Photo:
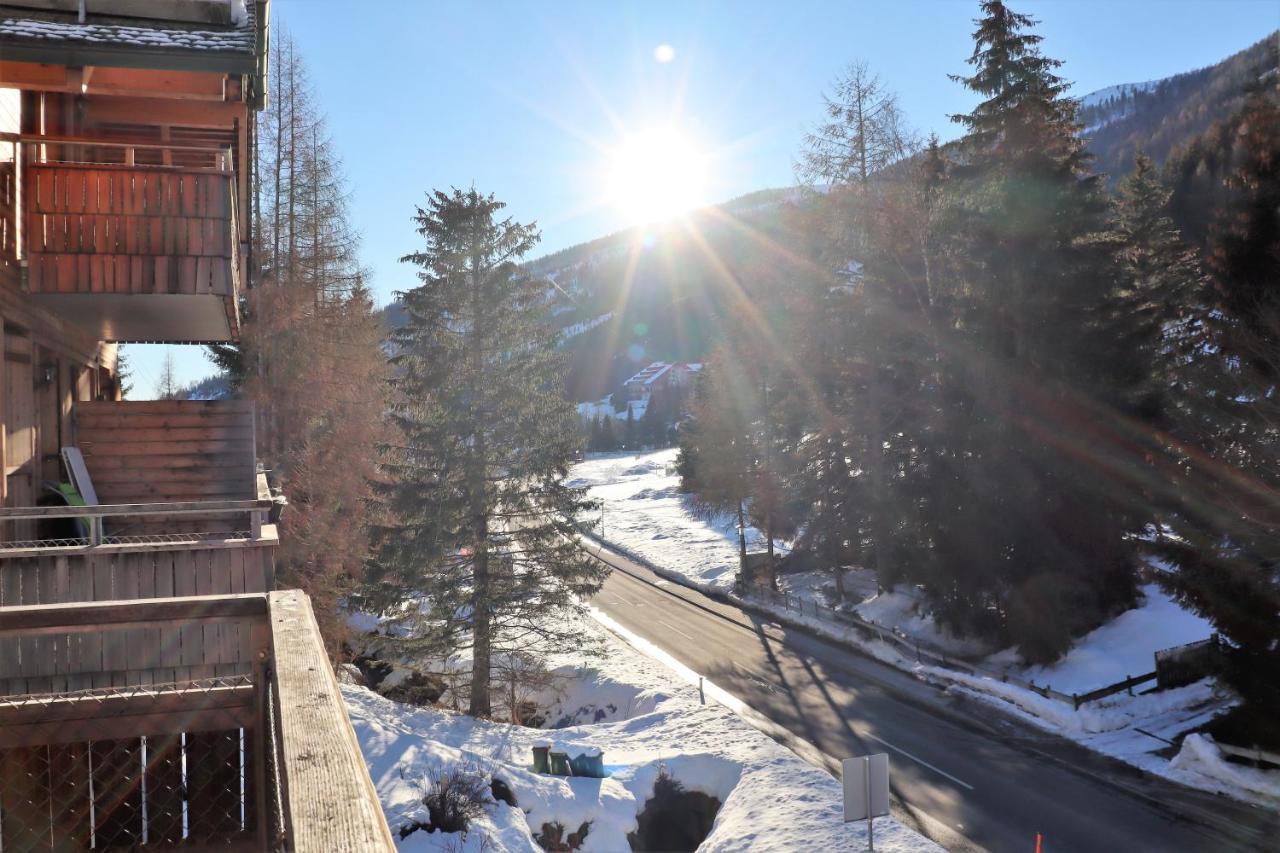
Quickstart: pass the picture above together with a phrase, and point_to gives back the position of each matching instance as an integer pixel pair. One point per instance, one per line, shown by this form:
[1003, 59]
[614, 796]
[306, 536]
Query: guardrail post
[1129, 678]
[1075, 701]
[95, 530]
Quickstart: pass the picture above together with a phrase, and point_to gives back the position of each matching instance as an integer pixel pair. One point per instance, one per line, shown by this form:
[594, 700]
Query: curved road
[962, 773]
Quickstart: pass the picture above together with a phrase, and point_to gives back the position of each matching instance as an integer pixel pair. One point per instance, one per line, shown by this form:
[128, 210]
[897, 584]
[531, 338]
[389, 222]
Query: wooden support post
[261, 676]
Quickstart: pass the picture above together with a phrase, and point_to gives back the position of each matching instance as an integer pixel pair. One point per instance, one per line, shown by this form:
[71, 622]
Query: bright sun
[656, 175]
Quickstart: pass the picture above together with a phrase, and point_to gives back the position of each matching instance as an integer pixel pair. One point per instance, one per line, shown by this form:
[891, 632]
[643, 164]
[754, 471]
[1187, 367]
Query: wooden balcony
[195, 721]
[129, 246]
[180, 510]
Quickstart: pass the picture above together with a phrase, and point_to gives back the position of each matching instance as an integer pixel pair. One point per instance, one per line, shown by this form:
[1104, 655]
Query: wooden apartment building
[155, 690]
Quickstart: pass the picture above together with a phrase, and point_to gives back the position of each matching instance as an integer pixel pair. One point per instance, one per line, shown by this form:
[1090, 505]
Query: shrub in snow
[349, 673]
[414, 688]
[553, 838]
[502, 792]
[673, 818]
[454, 800]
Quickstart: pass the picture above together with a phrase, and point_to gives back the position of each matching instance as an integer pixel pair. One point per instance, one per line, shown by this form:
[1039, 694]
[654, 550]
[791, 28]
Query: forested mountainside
[642, 295]
[1162, 115]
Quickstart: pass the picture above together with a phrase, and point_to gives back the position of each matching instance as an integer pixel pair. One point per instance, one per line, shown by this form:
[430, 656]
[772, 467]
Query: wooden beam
[34, 75]
[211, 115]
[330, 802]
[209, 86]
[82, 616]
[133, 725]
[192, 85]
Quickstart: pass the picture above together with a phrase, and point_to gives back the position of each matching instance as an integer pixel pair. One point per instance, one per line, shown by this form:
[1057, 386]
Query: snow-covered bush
[455, 799]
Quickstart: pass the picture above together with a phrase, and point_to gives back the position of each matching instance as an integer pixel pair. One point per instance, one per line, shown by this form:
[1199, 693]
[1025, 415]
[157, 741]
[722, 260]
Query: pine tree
[230, 361]
[1225, 556]
[167, 387]
[124, 372]
[477, 514]
[595, 436]
[717, 458]
[630, 439]
[608, 441]
[1026, 514]
[1156, 300]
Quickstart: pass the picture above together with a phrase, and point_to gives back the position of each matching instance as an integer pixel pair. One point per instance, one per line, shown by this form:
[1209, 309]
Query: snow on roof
[36, 27]
[651, 372]
[653, 376]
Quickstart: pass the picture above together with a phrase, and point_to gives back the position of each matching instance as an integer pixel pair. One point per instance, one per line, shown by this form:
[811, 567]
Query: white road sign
[866, 787]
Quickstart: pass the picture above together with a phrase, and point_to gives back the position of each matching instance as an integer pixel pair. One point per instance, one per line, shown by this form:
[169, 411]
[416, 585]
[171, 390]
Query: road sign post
[866, 791]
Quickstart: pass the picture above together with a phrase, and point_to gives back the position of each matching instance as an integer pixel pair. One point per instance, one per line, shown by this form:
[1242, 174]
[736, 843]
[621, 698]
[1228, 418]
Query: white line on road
[673, 628]
[916, 759]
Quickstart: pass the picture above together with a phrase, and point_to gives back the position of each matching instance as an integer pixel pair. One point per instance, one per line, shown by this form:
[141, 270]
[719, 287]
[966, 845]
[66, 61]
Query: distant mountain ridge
[1160, 115]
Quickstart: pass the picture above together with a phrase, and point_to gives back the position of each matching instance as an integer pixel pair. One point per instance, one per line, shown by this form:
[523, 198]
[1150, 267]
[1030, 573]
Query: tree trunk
[742, 536]
[880, 535]
[481, 630]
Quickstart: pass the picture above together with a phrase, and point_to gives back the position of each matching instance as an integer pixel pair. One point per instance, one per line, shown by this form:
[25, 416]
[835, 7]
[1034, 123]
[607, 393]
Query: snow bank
[900, 610]
[771, 800]
[1200, 761]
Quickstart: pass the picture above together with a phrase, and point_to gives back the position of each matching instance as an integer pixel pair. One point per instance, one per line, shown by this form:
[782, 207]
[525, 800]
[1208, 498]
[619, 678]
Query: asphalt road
[962, 773]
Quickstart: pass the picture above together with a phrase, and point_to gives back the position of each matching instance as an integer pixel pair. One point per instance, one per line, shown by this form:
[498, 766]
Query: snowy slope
[645, 512]
[1093, 99]
[771, 800]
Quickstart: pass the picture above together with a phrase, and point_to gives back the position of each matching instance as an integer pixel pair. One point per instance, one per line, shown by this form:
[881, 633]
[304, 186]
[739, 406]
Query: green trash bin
[560, 764]
[541, 760]
[589, 764]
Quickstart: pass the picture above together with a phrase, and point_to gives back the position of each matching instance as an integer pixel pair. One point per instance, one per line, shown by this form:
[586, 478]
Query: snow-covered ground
[1121, 648]
[644, 512]
[645, 515]
[645, 718]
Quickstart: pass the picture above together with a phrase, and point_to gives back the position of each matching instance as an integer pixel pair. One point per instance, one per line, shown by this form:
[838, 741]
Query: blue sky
[527, 100]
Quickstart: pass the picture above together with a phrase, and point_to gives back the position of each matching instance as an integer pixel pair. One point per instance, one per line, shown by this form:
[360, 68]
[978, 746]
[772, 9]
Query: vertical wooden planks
[121, 230]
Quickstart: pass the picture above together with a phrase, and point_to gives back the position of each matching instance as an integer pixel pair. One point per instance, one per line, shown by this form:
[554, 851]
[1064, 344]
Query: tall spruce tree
[1028, 523]
[477, 514]
[1225, 556]
[1158, 291]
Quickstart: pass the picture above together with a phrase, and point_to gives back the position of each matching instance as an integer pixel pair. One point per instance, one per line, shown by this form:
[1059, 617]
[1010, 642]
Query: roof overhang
[128, 56]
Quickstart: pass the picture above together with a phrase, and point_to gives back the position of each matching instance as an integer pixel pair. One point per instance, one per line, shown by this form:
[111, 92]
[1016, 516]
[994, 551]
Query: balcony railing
[195, 721]
[136, 241]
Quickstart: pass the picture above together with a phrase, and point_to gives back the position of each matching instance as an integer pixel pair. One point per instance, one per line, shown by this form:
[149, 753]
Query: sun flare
[656, 175]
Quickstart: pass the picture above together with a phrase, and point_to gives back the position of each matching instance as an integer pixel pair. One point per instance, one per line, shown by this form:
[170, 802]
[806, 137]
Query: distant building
[660, 378]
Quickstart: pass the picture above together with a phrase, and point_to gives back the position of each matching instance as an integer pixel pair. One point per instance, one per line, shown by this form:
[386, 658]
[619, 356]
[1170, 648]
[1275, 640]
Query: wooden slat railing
[122, 229]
